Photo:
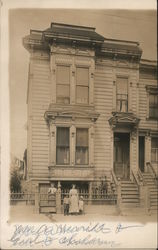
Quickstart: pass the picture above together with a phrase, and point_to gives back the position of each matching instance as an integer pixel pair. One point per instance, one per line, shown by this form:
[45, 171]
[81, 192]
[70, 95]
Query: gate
[47, 202]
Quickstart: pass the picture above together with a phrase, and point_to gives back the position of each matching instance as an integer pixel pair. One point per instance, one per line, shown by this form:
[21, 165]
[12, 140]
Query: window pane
[122, 85]
[82, 76]
[81, 155]
[153, 100]
[63, 75]
[154, 142]
[153, 112]
[62, 155]
[82, 137]
[153, 155]
[82, 94]
[62, 136]
[63, 94]
[122, 105]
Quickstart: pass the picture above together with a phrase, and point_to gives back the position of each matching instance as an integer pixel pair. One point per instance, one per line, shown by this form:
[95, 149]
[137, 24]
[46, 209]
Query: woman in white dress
[73, 196]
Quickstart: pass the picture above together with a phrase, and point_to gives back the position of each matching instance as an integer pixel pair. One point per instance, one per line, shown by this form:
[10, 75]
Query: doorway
[121, 155]
[141, 153]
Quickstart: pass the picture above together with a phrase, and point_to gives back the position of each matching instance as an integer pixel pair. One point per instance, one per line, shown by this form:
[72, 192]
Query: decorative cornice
[123, 119]
[73, 112]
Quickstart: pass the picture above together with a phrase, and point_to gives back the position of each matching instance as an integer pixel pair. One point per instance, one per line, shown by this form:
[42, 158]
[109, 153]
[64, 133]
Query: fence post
[90, 193]
[37, 199]
[58, 199]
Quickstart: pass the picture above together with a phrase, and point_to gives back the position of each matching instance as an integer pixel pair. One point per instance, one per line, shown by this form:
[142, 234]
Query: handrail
[149, 165]
[140, 176]
[114, 178]
[135, 178]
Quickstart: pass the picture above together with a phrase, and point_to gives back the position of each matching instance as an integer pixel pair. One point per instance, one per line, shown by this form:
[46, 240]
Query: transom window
[122, 94]
[63, 84]
[153, 106]
[63, 146]
[82, 85]
[154, 149]
[81, 146]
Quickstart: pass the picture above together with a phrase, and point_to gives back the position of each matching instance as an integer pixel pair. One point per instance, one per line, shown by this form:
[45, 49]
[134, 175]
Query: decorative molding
[53, 134]
[123, 119]
[70, 112]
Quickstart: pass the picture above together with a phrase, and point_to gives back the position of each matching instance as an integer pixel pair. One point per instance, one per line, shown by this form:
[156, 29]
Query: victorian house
[92, 112]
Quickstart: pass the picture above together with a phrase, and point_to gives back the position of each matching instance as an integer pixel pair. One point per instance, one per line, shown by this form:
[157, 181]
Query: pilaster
[72, 144]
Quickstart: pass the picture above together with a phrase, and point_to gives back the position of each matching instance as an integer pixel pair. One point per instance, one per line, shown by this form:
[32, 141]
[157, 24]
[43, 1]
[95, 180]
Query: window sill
[152, 119]
[71, 166]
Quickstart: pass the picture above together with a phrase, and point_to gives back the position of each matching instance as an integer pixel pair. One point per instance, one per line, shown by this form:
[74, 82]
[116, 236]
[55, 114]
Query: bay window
[81, 146]
[82, 85]
[62, 146]
[63, 84]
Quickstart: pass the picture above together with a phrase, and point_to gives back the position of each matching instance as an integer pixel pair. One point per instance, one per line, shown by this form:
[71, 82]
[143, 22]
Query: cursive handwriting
[91, 234]
[120, 227]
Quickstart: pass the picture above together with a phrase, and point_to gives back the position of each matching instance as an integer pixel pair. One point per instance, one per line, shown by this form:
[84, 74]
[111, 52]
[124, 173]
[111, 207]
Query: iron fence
[28, 198]
[96, 197]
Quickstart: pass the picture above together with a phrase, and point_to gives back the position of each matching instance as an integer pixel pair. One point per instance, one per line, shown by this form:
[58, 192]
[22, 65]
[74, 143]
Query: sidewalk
[26, 213]
[23, 213]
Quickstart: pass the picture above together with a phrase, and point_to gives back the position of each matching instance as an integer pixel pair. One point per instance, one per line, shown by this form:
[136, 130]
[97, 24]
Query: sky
[138, 26]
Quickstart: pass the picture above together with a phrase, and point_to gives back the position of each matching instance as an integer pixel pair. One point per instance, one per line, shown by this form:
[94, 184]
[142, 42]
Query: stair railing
[140, 177]
[152, 171]
[118, 189]
[135, 178]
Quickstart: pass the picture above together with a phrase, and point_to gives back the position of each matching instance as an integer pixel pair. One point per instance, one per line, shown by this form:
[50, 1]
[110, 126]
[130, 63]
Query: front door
[141, 153]
[121, 155]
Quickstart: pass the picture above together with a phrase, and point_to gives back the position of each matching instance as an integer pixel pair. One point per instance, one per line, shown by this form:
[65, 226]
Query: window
[122, 94]
[82, 85]
[153, 106]
[81, 146]
[63, 148]
[63, 84]
[154, 149]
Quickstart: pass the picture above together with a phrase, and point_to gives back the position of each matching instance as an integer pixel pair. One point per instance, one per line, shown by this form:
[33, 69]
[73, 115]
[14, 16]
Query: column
[52, 150]
[130, 96]
[147, 148]
[91, 145]
[133, 157]
[72, 83]
[91, 82]
[53, 76]
[114, 105]
[58, 199]
[72, 145]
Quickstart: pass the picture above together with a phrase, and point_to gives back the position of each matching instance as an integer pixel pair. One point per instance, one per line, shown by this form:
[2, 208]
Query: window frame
[151, 90]
[84, 147]
[156, 150]
[80, 85]
[61, 84]
[127, 95]
[65, 164]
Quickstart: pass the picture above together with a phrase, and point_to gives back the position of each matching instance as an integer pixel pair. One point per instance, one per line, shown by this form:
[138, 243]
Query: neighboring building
[92, 109]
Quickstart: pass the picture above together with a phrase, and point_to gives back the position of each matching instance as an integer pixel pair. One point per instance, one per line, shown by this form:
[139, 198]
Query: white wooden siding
[40, 100]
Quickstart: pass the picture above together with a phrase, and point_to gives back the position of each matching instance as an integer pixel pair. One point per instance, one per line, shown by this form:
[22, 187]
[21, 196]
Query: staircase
[129, 194]
[153, 192]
